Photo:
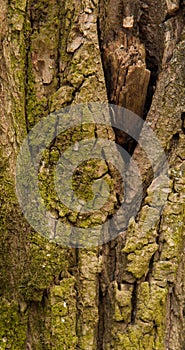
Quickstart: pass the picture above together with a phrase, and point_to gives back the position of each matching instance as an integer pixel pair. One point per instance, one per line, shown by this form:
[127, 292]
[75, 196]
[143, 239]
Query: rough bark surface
[129, 293]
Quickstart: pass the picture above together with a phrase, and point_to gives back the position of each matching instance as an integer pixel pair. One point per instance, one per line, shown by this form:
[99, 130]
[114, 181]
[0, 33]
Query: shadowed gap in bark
[116, 40]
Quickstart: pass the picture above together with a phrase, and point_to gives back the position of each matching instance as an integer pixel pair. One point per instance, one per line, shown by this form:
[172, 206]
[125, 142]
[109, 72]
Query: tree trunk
[128, 293]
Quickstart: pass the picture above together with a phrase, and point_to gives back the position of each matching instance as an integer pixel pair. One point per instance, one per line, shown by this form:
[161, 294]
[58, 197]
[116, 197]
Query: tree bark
[128, 293]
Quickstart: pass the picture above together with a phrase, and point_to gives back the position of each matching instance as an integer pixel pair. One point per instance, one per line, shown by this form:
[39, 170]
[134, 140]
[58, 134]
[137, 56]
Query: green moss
[138, 261]
[63, 313]
[13, 326]
[35, 108]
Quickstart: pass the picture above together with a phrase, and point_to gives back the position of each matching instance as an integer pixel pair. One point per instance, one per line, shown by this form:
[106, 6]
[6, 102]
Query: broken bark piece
[137, 81]
[128, 22]
[172, 6]
[126, 74]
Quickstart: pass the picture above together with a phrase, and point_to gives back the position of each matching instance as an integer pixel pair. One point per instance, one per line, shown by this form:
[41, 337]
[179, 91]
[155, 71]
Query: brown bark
[128, 293]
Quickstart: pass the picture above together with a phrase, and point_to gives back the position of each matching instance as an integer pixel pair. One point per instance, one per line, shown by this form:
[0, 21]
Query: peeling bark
[128, 293]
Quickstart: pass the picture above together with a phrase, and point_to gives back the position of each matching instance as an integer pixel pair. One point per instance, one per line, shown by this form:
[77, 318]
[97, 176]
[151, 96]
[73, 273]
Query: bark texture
[129, 293]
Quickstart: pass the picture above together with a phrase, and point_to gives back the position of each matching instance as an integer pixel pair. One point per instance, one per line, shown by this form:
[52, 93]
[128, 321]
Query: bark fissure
[75, 272]
[27, 35]
[170, 317]
[116, 44]
[101, 321]
[183, 121]
[59, 44]
[134, 301]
